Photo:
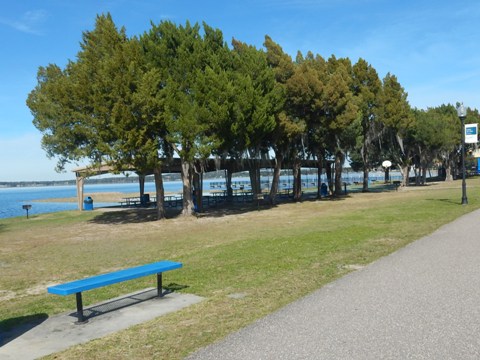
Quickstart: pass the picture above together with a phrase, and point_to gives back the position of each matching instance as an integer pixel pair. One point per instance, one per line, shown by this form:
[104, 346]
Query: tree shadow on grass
[142, 215]
[12, 328]
[215, 210]
[448, 201]
[126, 216]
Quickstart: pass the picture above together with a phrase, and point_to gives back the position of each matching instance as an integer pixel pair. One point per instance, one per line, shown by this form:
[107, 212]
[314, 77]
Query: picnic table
[172, 200]
[137, 200]
[243, 195]
[285, 191]
[218, 195]
[130, 201]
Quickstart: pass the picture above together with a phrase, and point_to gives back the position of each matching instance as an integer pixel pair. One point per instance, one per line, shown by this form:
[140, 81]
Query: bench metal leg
[159, 285]
[80, 316]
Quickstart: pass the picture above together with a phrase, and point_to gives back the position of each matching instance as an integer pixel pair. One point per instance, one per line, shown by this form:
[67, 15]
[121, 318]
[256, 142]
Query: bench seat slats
[113, 277]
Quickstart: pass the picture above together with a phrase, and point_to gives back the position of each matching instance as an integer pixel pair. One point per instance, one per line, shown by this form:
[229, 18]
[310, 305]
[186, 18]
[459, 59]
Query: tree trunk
[197, 194]
[365, 179]
[448, 174]
[366, 162]
[157, 172]
[141, 183]
[424, 175]
[187, 176]
[328, 169]
[319, 177]
[339, 157]
[448, 170]
[416, 170]
[228, 183]
[254, 173]
[276, 178]
[297, 180]
[405, 170]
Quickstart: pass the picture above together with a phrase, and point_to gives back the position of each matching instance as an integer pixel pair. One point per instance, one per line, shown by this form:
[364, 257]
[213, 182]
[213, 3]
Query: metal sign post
[27, 207]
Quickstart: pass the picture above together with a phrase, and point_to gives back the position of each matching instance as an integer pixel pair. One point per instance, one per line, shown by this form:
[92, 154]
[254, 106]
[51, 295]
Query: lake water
[12, 199]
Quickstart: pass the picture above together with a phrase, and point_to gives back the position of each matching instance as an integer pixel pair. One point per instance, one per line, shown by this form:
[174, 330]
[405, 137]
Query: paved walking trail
[422, 302]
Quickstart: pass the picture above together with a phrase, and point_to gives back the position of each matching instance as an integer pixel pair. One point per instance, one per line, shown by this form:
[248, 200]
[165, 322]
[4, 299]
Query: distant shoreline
[99, 181]
[22, 184]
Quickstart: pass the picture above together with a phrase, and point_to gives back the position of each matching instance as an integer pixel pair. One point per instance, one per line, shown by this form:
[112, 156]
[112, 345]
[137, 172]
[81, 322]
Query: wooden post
[80, 182]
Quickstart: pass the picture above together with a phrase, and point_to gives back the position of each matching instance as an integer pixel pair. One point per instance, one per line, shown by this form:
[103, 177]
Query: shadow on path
[16, 327]
[126, 301]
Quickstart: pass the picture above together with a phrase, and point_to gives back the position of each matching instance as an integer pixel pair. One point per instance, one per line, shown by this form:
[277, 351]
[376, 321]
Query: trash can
[323, 190]
[145, 199]
[88, 203]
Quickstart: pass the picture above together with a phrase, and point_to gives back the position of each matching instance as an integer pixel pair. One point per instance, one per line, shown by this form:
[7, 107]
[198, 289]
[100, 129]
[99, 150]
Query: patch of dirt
[6, 295]
[38, 289]
[237, 296]
[353, 267]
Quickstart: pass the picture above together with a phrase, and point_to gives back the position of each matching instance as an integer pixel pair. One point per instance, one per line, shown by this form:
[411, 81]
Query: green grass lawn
[271, 256]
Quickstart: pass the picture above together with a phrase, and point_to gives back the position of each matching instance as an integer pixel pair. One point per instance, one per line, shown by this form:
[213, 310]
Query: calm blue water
[12, 199]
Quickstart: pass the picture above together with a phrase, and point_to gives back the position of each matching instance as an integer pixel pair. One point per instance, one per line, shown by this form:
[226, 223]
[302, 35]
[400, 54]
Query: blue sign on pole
[471, 133]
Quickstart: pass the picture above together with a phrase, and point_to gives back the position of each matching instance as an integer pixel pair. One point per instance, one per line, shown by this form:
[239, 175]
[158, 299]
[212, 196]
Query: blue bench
[78, 286]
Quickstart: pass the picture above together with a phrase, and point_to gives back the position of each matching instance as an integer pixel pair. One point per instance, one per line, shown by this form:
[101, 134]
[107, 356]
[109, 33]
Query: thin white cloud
[29, 23]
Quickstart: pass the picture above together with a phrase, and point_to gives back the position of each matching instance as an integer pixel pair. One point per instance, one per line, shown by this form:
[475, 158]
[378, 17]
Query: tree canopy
[181, 90]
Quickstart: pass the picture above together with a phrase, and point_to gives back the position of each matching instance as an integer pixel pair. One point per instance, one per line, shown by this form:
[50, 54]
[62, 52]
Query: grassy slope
[273, 256]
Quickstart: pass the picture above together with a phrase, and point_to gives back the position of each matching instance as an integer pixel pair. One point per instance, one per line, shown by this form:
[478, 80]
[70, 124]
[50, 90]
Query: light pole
[462, 114]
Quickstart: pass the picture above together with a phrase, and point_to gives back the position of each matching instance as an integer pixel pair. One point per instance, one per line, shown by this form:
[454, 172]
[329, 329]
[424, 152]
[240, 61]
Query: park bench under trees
[78, 286]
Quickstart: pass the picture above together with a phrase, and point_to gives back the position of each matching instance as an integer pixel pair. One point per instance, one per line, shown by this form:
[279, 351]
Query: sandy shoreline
[113, 197]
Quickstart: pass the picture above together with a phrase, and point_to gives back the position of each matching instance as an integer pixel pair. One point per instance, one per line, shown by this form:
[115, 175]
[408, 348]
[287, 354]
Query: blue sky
[431, 46]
